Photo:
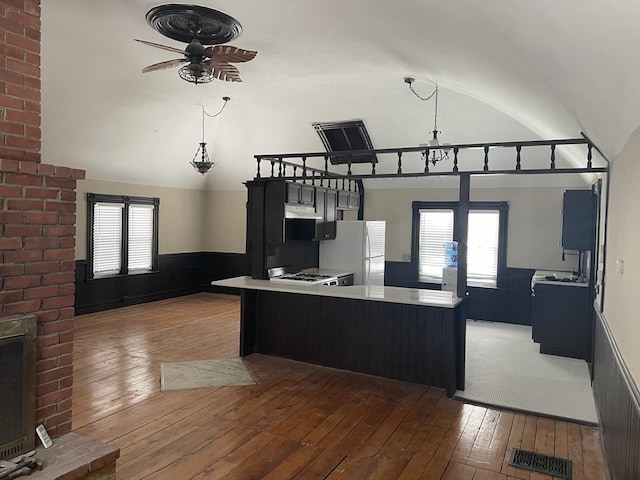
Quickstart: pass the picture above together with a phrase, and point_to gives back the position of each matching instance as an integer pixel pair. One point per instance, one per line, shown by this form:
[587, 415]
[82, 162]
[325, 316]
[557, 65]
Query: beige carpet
[204, 374]
[504, 368]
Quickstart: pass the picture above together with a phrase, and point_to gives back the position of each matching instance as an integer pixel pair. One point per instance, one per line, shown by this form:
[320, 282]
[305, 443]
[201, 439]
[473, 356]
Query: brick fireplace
[37, 218]
[37, 261]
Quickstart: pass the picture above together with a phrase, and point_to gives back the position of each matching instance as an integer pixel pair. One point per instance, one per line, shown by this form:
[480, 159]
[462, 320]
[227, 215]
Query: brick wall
[20, 79]
[37, 217]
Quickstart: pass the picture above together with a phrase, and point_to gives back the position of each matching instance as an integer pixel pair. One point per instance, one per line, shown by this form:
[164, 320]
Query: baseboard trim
[136, 300]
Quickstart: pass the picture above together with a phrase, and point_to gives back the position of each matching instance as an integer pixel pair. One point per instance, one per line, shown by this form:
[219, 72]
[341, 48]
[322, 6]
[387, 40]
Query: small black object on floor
[538, 462]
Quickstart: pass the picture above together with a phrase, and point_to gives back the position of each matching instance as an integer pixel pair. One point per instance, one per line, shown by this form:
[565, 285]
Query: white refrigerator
[358, 247]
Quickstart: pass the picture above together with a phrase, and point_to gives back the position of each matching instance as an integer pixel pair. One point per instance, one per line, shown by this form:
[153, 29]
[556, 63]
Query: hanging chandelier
[201, 161]
[438, 152]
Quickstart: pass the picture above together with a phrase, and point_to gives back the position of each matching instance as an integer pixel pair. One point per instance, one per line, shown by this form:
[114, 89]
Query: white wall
[224, 222]
[623, 237]
[535, 221]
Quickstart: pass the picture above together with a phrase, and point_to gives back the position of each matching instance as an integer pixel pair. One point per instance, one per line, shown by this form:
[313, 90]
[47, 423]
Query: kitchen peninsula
[407, 334]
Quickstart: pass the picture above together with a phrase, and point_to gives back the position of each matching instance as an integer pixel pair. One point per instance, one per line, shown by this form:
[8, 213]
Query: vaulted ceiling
[507, 70]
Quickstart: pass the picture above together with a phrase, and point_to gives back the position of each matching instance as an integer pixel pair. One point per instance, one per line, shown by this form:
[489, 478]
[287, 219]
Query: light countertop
[409, 296]
[563, 278]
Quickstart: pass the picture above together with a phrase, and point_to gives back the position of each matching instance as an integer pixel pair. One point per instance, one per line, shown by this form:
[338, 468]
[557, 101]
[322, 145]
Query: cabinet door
[321, 193]
[561, 319]
[307, 196]
[578, 220]
[330, 214]
[293, 192]
[354, 201]
[343, 200]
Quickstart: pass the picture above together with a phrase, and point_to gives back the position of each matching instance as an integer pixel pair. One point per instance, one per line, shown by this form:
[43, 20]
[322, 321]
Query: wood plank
[515, 441]
[300, 421]
[593, 463]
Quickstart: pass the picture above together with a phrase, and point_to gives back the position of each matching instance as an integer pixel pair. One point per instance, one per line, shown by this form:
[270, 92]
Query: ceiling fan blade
[224, 71]
[228, 53]
[163, 47]
[163, 65]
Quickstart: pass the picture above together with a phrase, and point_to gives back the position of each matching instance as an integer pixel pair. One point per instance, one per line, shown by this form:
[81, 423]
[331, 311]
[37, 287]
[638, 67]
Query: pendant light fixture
[438, 153]
[201, 161]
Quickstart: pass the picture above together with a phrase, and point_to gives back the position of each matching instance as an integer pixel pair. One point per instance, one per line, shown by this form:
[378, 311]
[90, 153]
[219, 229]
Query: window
[122, 234]
[434, 225]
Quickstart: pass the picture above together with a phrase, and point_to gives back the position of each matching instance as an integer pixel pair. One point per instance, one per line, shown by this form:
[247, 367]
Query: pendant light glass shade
[201, 161]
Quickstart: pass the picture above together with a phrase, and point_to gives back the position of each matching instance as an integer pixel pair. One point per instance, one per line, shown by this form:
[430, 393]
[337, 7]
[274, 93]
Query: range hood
[301, 211]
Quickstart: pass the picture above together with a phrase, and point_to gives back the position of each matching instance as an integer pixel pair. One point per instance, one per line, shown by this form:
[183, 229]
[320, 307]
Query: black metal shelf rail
[293, 166]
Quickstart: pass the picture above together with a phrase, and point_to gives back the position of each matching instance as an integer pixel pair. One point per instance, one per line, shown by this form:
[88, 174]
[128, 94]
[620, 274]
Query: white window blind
[140, 237]
[107, 238]
[436, 228]
[482, 248]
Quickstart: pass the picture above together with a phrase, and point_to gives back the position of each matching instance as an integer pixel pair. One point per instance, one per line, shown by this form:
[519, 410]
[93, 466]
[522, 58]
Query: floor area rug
[504, 368]
[204, 374]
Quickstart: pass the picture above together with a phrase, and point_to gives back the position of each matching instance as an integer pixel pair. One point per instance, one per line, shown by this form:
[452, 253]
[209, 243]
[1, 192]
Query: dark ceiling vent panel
[343, 137]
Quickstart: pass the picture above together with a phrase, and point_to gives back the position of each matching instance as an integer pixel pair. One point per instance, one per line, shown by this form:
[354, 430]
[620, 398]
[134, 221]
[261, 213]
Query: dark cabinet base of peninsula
[407, 342]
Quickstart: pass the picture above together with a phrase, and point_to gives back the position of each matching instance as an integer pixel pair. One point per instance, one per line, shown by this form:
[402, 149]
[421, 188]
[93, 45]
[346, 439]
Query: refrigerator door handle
[367, 270]
[367, 241]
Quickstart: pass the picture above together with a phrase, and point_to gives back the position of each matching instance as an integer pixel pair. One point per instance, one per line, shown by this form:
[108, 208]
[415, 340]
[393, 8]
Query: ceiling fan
[204, 64]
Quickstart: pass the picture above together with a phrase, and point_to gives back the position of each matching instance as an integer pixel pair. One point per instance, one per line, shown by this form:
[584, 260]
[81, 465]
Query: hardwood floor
[299, 421]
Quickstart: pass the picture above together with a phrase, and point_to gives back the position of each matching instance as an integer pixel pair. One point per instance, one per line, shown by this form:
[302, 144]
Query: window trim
[92, 199]
[502, 207]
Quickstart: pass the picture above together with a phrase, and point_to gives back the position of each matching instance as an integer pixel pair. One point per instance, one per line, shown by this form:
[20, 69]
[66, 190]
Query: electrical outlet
[620, 266]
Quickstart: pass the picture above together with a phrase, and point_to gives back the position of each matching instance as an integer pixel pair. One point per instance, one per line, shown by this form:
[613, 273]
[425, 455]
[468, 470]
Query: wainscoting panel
[178, 274]
[406, 342]
[618, 404]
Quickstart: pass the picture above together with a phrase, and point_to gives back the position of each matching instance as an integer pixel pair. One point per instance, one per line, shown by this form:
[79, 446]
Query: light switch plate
[620, 266]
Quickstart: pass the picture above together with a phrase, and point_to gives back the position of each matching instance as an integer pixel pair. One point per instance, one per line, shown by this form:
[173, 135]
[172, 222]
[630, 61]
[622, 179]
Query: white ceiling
[507, 70]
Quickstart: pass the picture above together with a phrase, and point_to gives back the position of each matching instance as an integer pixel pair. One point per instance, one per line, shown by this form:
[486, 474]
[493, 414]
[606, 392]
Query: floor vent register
[538, 462]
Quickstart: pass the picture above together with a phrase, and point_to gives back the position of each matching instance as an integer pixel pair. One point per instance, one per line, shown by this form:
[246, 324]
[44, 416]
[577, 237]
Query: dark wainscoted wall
[178, 274]
[510, 303]
[618, 403]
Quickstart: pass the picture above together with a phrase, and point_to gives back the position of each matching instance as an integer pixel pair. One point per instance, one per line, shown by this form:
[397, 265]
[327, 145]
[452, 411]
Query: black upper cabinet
[578, 220]
[326, 207]
[300, 193]
[343, 200]
[348, 200]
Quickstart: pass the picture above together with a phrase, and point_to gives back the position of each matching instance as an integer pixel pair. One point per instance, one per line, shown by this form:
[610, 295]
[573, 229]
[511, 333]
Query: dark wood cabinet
[354, 201]
[326, 207]
[578, 220]
[300, 193]
[561, 320]
[348, 200]
[266, 240]
[343, 200]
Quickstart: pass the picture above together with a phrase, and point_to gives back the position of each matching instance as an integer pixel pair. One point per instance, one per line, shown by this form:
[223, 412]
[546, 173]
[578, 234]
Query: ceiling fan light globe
[195, 73]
